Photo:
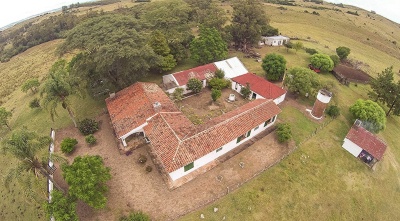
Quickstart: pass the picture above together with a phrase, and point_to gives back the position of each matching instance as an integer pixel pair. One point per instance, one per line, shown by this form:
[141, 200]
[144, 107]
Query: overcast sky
[15, 10]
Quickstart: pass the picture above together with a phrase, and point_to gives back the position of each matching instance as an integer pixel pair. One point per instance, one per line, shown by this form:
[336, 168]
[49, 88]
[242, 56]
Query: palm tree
[24, 146]
[58, 87]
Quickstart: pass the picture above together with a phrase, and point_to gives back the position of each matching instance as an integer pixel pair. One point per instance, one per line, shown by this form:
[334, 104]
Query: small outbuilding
[363, 144]
[275, 40]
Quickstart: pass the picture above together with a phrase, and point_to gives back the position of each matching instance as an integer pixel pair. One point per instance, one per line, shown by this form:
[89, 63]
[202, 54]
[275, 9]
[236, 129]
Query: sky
[15, 10]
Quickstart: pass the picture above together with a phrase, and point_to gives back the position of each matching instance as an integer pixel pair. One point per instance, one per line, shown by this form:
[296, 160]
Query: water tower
[321, 103]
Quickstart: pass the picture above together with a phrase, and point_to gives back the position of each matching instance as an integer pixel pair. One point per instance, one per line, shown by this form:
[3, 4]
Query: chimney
[112, 95]
[157, 106]
[358, 123]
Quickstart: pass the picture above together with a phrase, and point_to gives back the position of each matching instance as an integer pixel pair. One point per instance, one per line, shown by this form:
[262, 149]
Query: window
[274, 118]
[256, 128]
[267, 122]
[188, 167]
[236, 86]
[248, 133]
[243, 136]
[219, 149]
[239, 138]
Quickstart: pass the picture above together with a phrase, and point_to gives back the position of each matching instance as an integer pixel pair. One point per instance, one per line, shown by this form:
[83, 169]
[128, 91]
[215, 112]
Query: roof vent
[112, 95]
[358, 123]
[157, 106]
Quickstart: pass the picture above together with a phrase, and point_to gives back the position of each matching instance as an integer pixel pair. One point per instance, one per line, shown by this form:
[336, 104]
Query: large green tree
[159, 44]
[247, 23]
[61, 207]
[31, 84]
[26, 147]
[372, 115]
[58, 87]
[113, 50]
[87, 177]
[194, 85]
[302, 81]
[5, 117]
[322, 61]
[207, 13]
[274, 66]
[208, 47]
[342, 52]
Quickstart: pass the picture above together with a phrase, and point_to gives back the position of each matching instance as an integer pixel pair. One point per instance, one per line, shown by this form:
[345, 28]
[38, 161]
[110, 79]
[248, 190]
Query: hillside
[317, 181]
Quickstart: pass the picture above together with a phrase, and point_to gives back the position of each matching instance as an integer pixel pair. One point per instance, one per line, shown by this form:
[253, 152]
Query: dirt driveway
[132, 188]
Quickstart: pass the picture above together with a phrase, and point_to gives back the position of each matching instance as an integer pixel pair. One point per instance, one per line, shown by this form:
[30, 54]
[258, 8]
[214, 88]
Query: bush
[283, 132]
[35, 103]
[245, 91]
[218, 83]
[220, 74]
[90, 139]
[88, 126]
[142, 159]
[194, 85]
[335, 59]
[149, 169]
[333, 111]
[215, 94]
[178, 94]
[136, 216]
[68, 145]
[311, 51]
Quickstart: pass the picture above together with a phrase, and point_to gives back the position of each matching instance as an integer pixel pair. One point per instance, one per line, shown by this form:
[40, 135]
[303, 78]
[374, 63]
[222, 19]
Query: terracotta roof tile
[367, 141]
[198, 72]
[260, 86]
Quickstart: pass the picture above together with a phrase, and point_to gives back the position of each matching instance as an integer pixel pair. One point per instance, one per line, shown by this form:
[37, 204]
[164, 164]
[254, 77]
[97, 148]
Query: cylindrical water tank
[321, 103]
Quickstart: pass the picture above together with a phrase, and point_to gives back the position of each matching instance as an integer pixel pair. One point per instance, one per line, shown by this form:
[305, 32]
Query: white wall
[353, 148]
[214, 155]
[137, 129]
[280, 99]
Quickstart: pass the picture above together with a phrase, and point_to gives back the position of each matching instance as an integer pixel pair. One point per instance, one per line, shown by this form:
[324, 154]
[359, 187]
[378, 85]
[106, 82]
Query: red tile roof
[367, 141]
[177, 147]
[198, 72]
[133, 105]
[260, 86]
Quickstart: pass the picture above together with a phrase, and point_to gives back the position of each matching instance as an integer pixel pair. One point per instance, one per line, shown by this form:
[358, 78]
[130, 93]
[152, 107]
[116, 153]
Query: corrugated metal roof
[232, 67]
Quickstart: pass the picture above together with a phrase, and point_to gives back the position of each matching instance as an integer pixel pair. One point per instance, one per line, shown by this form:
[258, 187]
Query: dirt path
[132, 188]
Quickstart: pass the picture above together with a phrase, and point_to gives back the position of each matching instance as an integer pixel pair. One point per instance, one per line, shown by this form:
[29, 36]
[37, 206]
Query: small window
[236, 86]
[248, 133]
[267, 122]
[256, 128]
[188, 167]
[219, 149]
[239, 139]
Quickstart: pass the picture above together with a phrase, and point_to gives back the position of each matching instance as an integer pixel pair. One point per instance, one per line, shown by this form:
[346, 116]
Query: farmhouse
[259, 87]
[178, 146]
[275, 40]
[232, 67]
[363, 144]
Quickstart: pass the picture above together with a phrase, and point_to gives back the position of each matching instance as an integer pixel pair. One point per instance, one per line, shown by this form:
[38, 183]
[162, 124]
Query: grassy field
[318, 181]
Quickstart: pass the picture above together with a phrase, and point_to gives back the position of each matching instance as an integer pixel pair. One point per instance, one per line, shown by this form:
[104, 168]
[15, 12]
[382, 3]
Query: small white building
[275, 40]
[260, 88]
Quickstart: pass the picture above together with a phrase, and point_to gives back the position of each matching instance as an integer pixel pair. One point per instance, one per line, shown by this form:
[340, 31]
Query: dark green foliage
[31, 84]
[215, 94]
[297, 45]
[284, 132]
[5, 117]
[335, 59]
[219, 74]
[160, 46]
[87, 177]
[301, 81]
[311, 51]
[194, 85]
[268, 30]
[88, 126]
[35, 103]
[68, 145]
[372, 115]
[142, 159]
[219, 84]
[245, 92]
[322, 62]
[136, 216]
[149, 169]
[208, 47]
[247, 22]
[274, 65]
[62, 208]
[178, 94]
[343, 52]
[333, 111]
[207, 13]
[90, 139]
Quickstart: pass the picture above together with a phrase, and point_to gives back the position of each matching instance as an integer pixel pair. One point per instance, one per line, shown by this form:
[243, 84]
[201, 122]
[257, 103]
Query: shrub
[245, 91]
[315, 13]
[142, 159]
[90, 139]
[195, 85]
[68, 145]
[218, 83]
[333, 111]
[342, 52]
[219, 74]
[311, 51]
[283, 132]
[149, 169]
[88, 126]
[35, 103]
[178, 94]
[215, 94]
[335, 59]
[136, 216]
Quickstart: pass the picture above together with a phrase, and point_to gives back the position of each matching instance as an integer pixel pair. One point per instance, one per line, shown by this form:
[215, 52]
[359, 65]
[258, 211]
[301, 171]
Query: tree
[25, 147]
[297, 45]
[245, 92]
[206, 13]
[343, 52]
[268, 30]
[57, 88]
[372, 115]
[218, 83]
[194, 85]
[335, 59]
[86, 178]
[5, 117]
[301, 80]
[160, 46]
[284, 132]
[62, 208]
[247, 22]
[208, 47]
[215, 94]
[333, 111]
[322, 62]
[178, 94]
[31, 84]
[274, 65]
[219, 74]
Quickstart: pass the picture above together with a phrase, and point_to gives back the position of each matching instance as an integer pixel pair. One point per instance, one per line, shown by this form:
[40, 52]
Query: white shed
[276, 40]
